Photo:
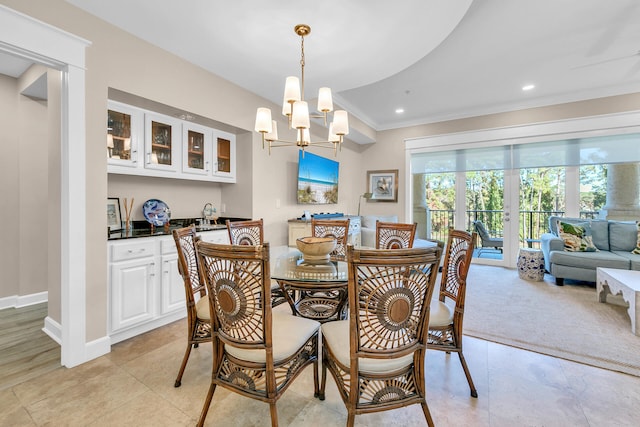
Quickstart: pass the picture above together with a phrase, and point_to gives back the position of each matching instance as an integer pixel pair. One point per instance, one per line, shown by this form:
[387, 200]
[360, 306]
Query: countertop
[143, 228]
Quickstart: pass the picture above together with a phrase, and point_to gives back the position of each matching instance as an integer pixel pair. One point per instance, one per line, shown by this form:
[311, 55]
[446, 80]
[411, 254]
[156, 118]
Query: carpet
[561, 321]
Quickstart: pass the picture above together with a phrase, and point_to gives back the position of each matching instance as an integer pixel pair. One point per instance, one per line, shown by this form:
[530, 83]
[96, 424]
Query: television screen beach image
[317, 179]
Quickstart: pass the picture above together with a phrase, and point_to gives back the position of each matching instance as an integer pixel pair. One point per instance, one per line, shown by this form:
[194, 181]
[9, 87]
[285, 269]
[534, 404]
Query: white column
[623, 192]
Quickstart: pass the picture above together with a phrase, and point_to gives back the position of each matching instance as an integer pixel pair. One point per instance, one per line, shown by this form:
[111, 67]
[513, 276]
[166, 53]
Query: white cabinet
[125, 130]
[300, 228]
[217, 236]
[197, 149]
[133, 286]
[224, 167]
[133, 283]
[141, 142]
[172, 295]
[162, 142]
[146, 290]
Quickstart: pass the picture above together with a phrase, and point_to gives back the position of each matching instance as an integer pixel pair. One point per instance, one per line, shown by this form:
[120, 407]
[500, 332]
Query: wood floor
[25, 351]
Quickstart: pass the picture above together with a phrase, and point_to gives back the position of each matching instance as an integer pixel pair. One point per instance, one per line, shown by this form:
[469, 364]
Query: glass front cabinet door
[196, 149]
[225, 161]
[162, 142]
[123, 134]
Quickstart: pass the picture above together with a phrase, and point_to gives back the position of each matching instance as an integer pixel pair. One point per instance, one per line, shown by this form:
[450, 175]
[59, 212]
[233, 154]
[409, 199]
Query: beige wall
[24, 187]
[33, 166]
[9, 194]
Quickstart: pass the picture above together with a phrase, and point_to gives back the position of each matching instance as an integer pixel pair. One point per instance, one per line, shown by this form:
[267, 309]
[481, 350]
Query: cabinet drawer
[132, 251]
[168, 246]
[220, 237]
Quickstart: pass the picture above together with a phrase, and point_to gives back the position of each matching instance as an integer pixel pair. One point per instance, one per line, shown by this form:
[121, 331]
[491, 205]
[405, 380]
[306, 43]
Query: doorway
[40, 43]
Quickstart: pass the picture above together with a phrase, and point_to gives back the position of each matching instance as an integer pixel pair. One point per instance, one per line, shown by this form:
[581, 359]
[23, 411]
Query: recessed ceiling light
[528, 87]
[399, 110]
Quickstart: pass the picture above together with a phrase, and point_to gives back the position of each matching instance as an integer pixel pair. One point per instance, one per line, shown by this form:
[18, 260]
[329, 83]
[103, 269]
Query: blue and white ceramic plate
[156, 212]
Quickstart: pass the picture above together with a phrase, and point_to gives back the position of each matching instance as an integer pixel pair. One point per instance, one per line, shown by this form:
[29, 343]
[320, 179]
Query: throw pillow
[636, 250]
[576, 237]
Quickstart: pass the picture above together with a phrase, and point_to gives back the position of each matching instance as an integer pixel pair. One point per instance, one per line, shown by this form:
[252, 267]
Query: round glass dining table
[314, 289]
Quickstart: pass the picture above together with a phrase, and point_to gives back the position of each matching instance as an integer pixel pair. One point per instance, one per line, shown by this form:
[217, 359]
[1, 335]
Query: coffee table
[621, 282]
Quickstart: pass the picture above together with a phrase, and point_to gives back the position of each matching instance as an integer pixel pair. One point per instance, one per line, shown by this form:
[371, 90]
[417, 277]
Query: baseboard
[17, 301]
[97, 348]
[53, 329]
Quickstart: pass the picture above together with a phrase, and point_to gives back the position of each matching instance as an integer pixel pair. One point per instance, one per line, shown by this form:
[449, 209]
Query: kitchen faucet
[207, 213]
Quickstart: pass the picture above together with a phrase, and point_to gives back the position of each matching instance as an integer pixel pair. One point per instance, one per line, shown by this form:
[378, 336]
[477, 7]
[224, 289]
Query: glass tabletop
[289, 264]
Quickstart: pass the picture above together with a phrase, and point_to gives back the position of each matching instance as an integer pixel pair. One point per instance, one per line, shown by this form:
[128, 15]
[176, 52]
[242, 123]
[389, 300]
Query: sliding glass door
[507, 189]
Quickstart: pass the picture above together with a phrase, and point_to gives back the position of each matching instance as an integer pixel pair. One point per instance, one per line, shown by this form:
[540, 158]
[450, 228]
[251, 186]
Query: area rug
[561, 321]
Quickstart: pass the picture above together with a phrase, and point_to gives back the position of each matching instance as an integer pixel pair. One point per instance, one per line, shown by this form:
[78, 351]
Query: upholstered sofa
[368, 231]
[614, 241]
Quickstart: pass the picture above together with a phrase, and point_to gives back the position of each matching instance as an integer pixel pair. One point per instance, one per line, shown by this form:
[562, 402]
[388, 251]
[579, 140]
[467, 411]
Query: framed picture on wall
[114, 219]
[383, 185]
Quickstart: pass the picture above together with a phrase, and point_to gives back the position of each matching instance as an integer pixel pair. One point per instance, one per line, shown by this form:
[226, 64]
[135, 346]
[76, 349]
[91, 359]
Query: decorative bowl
[316, 249]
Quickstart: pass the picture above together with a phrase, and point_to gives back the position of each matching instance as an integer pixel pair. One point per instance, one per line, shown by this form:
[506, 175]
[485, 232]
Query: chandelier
[297, 111]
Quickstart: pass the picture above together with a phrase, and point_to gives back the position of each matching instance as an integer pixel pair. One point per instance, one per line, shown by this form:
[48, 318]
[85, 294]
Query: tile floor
[133, 386]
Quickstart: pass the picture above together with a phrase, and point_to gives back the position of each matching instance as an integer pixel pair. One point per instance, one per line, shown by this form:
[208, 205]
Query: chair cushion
[288, 335]
[441, 314]
[576, 236]
[336, 335]
[202, 309]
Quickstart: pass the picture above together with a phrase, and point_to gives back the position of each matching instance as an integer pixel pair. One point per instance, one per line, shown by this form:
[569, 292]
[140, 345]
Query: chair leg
[474, 392]
[274, 414]
[351, 418]
[185, 359]
[316, 383]
[207, 403]
[427, 413]
[324, 380]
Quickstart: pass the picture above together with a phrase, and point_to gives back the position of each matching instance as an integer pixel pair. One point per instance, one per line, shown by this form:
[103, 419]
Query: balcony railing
[532, 224]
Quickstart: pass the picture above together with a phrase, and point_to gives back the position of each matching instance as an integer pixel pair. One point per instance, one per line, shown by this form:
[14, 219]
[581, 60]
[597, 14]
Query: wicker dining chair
[394, 235]
[377, 356]
[447, 311]
[198, 315]
[333, 228]
[251, 232]
[257, 352]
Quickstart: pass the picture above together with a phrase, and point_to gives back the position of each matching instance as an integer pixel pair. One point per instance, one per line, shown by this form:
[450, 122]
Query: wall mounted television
[317, 179]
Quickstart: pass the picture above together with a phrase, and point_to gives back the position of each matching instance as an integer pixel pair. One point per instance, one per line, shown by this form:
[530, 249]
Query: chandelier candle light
[297, 112]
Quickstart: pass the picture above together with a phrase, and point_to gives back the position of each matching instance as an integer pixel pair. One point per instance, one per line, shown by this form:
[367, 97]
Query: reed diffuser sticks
[128, 209]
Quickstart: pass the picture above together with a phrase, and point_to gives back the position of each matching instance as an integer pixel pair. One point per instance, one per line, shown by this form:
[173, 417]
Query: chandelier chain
[302, 62]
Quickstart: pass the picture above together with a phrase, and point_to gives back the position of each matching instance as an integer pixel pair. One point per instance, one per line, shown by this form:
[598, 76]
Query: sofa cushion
[599, 229]
[633, 259]
[636, 250]
[590, 260]
[576, 236]
[623, 235]
[600, 233]
[369, 221]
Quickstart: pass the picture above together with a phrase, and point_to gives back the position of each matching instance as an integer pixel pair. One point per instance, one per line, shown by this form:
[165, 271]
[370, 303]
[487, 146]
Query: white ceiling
[436, 59]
